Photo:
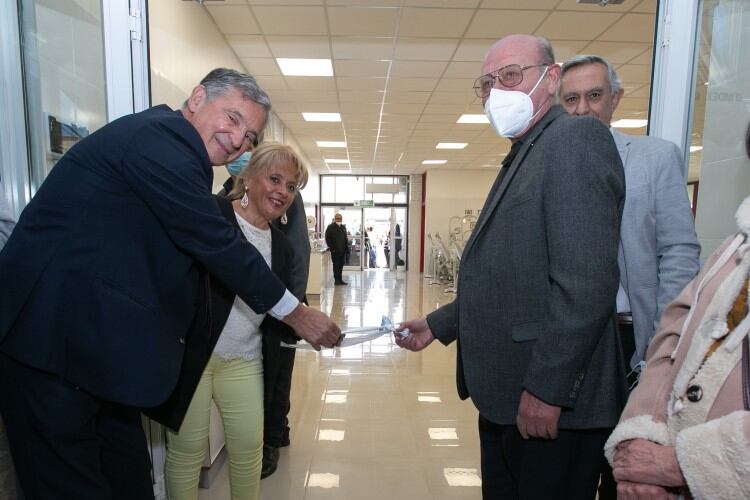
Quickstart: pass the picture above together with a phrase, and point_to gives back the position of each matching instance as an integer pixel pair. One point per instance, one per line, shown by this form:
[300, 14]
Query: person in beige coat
[685, 431]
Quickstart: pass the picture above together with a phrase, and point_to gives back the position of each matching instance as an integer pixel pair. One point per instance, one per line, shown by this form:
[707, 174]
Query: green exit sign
[364, 203]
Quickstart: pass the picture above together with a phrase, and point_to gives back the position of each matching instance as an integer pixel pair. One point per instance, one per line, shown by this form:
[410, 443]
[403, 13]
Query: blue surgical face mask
[235, 166]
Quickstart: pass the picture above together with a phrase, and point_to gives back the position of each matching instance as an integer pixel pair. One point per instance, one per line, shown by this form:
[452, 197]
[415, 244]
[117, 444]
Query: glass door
[352, 220]
[387, 234]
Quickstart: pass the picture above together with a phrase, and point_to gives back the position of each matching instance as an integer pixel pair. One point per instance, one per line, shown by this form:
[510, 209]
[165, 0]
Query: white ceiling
[404, 69]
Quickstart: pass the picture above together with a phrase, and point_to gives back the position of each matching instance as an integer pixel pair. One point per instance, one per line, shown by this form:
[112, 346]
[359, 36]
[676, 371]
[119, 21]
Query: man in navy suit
[101, 284]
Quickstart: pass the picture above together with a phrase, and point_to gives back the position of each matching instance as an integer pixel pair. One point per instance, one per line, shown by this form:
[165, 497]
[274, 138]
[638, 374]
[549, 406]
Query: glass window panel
[349, 188]
[63, 64]
[327, 189]
[719, 170]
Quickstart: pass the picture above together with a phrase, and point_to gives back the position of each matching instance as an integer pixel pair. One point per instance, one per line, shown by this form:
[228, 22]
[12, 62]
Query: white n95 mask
[510, 111]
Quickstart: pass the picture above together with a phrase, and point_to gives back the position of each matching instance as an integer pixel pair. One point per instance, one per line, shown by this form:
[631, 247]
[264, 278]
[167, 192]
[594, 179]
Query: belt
[625, 318]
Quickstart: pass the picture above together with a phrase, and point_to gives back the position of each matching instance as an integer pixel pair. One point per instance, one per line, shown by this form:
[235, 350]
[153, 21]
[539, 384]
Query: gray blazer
[538, 280]
[659, 249]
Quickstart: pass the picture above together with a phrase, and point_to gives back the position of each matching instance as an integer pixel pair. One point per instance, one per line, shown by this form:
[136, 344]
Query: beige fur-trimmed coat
[711, 435]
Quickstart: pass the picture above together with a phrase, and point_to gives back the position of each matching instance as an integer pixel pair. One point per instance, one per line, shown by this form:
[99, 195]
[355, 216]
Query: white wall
[450, 192]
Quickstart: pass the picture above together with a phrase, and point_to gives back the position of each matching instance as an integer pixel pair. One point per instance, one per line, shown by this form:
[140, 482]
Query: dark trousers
[566, 468]
[608, 486]
[338, 266]
[68, 444]
[276, 404]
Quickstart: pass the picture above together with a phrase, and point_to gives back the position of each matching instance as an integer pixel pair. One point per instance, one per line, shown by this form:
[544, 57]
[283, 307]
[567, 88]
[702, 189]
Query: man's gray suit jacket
[535, 307]
[659, 249]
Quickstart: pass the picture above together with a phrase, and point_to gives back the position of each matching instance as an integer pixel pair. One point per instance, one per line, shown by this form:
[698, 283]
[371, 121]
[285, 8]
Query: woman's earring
[244, 201]
[284, 220]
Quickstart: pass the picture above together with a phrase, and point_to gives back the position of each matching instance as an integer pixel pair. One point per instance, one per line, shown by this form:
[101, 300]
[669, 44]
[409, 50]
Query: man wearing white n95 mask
[534, 315]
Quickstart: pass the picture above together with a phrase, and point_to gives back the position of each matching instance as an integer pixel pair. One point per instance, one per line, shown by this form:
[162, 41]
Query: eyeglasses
[509, 76]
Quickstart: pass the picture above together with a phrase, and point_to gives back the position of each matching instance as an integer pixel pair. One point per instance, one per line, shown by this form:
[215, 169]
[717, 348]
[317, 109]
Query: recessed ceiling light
[322, 117]
[335, 160]
[331, 144]
[451, 145]
[434, 162]
[469, 118]
[305, 67]
[628, 123]
[693, 149]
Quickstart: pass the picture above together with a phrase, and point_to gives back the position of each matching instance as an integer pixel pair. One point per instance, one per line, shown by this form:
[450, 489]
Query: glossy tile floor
[373, 421]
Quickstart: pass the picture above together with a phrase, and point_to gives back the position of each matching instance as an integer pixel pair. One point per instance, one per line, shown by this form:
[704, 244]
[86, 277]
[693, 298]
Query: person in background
[106, 264]
[686, 427]
[234, 375]
[7, 472]
[278, 361]
[372, 255]
[338, 243]
[659, 249]
[534, 316]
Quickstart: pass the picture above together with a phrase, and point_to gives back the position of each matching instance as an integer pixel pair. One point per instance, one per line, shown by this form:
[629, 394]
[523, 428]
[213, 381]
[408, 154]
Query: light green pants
[237, 388]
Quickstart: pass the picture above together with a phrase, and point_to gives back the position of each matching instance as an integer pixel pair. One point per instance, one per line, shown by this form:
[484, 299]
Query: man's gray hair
[222, 80]
[548, 55]
[581, 60]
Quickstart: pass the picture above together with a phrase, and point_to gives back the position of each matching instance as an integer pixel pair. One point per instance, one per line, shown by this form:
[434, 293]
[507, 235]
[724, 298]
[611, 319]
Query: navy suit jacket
[100, 277]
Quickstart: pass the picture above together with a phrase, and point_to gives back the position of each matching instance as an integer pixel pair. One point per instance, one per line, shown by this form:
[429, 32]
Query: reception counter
[320, 271]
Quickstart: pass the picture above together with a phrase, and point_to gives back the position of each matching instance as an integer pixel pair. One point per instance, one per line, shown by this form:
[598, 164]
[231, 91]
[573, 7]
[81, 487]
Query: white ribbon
[354, 336]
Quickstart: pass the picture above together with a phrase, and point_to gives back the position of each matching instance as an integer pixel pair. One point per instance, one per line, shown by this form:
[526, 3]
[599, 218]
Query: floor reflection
[373, 421]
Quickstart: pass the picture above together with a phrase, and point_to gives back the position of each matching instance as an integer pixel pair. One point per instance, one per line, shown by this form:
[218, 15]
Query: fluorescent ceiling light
[628, 123]
[305, 67]
[335, 160]
[468, 118]
[434, 162]
[331, 144]
[693, 149]
[451, 145]
[321, 117]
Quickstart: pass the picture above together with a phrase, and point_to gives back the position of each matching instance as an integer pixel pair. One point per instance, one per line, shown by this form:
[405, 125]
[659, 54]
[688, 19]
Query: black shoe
[341, 283]
[270, 461]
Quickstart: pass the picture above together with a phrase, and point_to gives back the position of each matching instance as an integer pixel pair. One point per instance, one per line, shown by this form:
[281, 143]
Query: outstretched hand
[420, 335]
[314, 326]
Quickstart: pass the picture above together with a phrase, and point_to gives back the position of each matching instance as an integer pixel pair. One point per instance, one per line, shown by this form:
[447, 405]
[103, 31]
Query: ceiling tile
[616, 52]
[425, 49]
[473, 50]
[356, 83]
[304, 96]
[271, 82]
[412, 84]
[362, 48]
[442, 3]
[576, 25]
[498, 23]
[408, 97]
[260, 66]
[361, 68]
[456, 85]
[286, 2]
[646, 6]
[646, 58]
[362, 21]
[514, 4]
[459, 69]
[361, 96]
[565, 49]
[632, 28]
[234, 19]
[366, 3]
[311, 83]
[303, 47]
[290, 20]
[421, 69]
[248, 46]
[391, 111]
[634, 73]
[424, 22]
[574, 5]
